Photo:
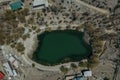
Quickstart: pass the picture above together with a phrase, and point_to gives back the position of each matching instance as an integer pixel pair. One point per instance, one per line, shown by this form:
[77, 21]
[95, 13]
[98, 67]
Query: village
[22, 20]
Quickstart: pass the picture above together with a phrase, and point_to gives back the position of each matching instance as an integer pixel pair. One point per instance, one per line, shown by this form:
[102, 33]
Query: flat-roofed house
[40, 4]
[87, 73]
[8, 69]
[78, 78]
[14, 61]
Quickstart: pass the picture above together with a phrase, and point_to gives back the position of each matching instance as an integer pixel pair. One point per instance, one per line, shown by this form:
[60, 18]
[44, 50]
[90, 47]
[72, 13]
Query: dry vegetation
[97, 38]
[20, 47]
[9, 30]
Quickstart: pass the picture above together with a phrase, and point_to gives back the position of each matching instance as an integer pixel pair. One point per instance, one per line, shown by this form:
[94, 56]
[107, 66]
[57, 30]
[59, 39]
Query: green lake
[61, 46]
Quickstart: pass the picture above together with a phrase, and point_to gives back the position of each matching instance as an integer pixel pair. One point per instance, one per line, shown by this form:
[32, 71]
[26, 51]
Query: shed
[87, 73]
[8, 68]
[39, 4]
[16, 5]
[78, 78]
[14, 61]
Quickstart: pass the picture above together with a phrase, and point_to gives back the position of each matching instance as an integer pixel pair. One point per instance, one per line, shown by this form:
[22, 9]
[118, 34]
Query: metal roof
[8, 68]
[40, 2]
[1, 75]
[14, 61]
[87, 73]
[16, 5]
[78, 78]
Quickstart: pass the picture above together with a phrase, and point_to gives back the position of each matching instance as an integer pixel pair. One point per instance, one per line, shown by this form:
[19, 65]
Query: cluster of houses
[80, 76]
[19, 4]
[10, 66]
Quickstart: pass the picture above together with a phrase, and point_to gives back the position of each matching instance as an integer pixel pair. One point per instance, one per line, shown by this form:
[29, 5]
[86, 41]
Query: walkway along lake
[61, 46]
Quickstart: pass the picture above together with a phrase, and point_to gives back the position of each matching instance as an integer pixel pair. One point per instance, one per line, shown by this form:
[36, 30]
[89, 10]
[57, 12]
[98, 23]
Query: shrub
[73, 66]
[20, 47]
[64, 69]
[83, 64]
[93, 61]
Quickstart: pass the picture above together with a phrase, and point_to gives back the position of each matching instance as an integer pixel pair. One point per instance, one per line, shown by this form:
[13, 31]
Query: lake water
[61, 46]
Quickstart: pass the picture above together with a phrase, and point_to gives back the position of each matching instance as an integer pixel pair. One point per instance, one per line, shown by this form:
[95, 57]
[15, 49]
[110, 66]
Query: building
[16, 5]
[14, 61]
[70, 77]
[9, 69]
[40, 4]
[87, 73]
[15, 73]
[1, 75]
[78, 78]
[74, 77]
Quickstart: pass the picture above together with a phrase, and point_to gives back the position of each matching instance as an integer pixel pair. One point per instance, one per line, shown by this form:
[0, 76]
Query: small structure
[78, 78]
[74, 77]
[14, 61]
[9, 70]
[16, 5]
[1, 75]
[70, 77]
[15, 73]
[87, 73]
[39, 4]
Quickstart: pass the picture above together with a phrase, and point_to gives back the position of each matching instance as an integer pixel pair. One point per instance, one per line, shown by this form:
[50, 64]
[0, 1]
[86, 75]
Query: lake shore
[31, 45]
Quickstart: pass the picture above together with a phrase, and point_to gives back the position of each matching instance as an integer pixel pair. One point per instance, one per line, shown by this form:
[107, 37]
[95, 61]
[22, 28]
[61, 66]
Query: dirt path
[93, 7]
[30, 45]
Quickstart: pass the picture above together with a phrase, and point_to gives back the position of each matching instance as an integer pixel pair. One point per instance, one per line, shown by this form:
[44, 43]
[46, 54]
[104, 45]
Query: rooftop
[40, 3]
[16, 5]
[1, 75]
[78, 78]
[8, 68]
[87, 73]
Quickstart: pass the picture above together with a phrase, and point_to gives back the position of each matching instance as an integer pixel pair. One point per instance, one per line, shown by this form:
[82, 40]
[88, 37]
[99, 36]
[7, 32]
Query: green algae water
[61, 46]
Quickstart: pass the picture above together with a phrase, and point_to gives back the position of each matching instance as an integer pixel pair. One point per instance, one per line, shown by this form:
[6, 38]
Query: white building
[14, 61]
[14, 73]
[39, 4]
[8, 69]
[87, 73]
